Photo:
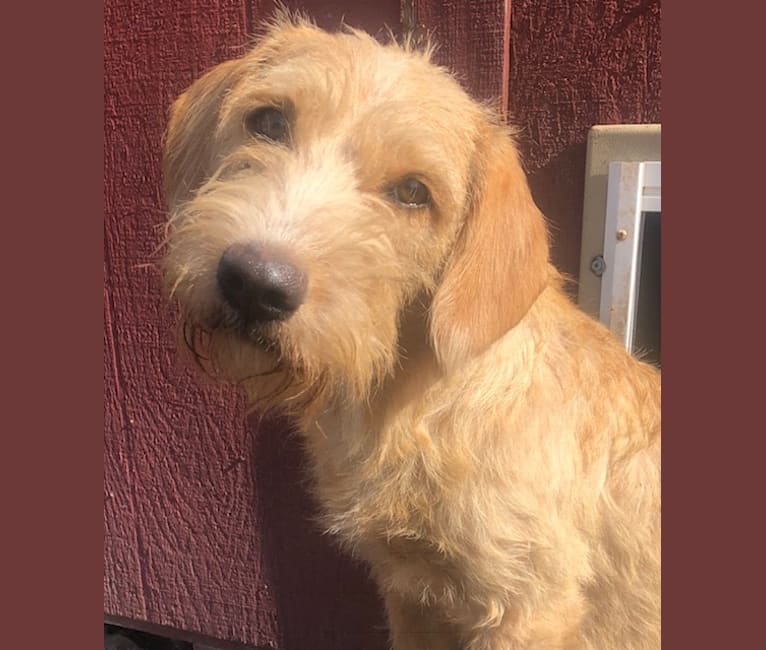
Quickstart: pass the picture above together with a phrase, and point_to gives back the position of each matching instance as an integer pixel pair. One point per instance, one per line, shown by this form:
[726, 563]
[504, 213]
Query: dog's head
[320, 183]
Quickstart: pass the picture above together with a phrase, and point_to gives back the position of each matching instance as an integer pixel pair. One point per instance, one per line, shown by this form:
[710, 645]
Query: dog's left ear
[500, 262]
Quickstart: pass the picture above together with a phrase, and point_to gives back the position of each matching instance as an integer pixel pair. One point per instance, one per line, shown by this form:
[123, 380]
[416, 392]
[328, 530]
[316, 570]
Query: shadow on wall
[324, 600]
[558, 189]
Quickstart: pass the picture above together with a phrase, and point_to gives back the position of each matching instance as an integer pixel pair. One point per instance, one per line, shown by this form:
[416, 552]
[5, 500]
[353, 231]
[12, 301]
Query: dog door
[621, 285]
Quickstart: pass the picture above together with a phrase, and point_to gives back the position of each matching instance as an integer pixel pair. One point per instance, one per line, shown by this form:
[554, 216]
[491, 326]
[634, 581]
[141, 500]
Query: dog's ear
[499, 265]
[187, 159]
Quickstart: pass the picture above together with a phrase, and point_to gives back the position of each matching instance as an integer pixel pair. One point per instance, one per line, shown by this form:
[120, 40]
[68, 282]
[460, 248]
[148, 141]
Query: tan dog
[352, 239]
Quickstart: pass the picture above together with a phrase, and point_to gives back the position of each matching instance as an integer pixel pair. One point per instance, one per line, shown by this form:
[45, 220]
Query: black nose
[260, 282]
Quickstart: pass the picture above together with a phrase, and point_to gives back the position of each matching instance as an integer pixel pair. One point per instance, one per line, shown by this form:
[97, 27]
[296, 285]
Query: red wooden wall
[576, 63]
[207, 523]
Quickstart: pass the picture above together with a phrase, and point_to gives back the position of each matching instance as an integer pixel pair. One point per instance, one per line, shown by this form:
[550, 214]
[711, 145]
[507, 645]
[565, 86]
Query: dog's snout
[261, 283]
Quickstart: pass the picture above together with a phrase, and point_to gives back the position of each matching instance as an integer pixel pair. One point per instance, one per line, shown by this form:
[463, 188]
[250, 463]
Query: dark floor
[120, 638]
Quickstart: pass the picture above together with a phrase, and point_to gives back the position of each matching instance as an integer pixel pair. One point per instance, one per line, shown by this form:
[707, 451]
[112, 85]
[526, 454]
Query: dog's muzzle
[260, 282]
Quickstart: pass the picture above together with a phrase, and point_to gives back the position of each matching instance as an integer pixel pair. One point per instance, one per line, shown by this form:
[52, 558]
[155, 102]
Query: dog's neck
[416, 368]
[416, 376]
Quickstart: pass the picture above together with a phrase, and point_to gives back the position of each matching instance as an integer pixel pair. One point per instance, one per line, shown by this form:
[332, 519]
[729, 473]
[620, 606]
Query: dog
[352, 240]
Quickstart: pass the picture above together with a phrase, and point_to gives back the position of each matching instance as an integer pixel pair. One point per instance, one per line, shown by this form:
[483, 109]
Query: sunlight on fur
[352, 240]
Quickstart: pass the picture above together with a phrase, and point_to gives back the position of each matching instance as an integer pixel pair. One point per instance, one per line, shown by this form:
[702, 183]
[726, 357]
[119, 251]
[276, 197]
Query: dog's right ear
[188, 152]
[500, 263]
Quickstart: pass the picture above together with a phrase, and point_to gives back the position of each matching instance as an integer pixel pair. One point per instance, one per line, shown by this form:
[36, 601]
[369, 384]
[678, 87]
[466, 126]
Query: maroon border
[52, 229]
[712, 168]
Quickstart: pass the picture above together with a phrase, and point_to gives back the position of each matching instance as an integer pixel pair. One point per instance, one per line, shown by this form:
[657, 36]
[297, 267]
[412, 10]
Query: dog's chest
[392, 526]
[373, 483]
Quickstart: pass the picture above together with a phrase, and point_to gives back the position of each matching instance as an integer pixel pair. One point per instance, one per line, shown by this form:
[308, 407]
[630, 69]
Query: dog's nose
[260, 282]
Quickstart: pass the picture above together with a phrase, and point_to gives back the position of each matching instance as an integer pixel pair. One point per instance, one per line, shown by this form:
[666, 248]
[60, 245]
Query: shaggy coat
[489, 450]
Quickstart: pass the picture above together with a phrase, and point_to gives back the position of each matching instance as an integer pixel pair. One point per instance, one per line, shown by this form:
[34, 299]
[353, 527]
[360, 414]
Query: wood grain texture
[473, 42]
[576, 63]
[330, 14]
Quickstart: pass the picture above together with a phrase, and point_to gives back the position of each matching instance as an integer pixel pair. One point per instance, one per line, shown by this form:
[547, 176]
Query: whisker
[191, 333]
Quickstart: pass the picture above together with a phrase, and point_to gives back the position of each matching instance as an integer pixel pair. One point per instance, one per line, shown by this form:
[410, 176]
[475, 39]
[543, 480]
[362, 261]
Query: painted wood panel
[573, 64]
[473, 41]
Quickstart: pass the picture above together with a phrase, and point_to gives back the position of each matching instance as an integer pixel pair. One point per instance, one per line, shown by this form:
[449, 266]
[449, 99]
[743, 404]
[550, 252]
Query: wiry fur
[489, 450]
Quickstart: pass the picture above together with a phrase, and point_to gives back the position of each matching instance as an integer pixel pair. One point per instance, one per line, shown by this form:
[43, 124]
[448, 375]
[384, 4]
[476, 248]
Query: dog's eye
[411, 193]
[269, 123]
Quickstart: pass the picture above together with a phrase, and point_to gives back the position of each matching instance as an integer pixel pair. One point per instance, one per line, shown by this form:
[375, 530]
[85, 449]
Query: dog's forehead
[387, 109]
[353, 73]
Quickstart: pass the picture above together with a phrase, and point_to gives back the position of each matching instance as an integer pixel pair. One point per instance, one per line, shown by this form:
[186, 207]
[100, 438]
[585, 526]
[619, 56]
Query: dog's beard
[259, 360]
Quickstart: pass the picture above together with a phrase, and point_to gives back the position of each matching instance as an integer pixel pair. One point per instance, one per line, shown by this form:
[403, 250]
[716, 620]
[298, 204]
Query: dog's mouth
[200, 333]
[219, 344]
[261, 335]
